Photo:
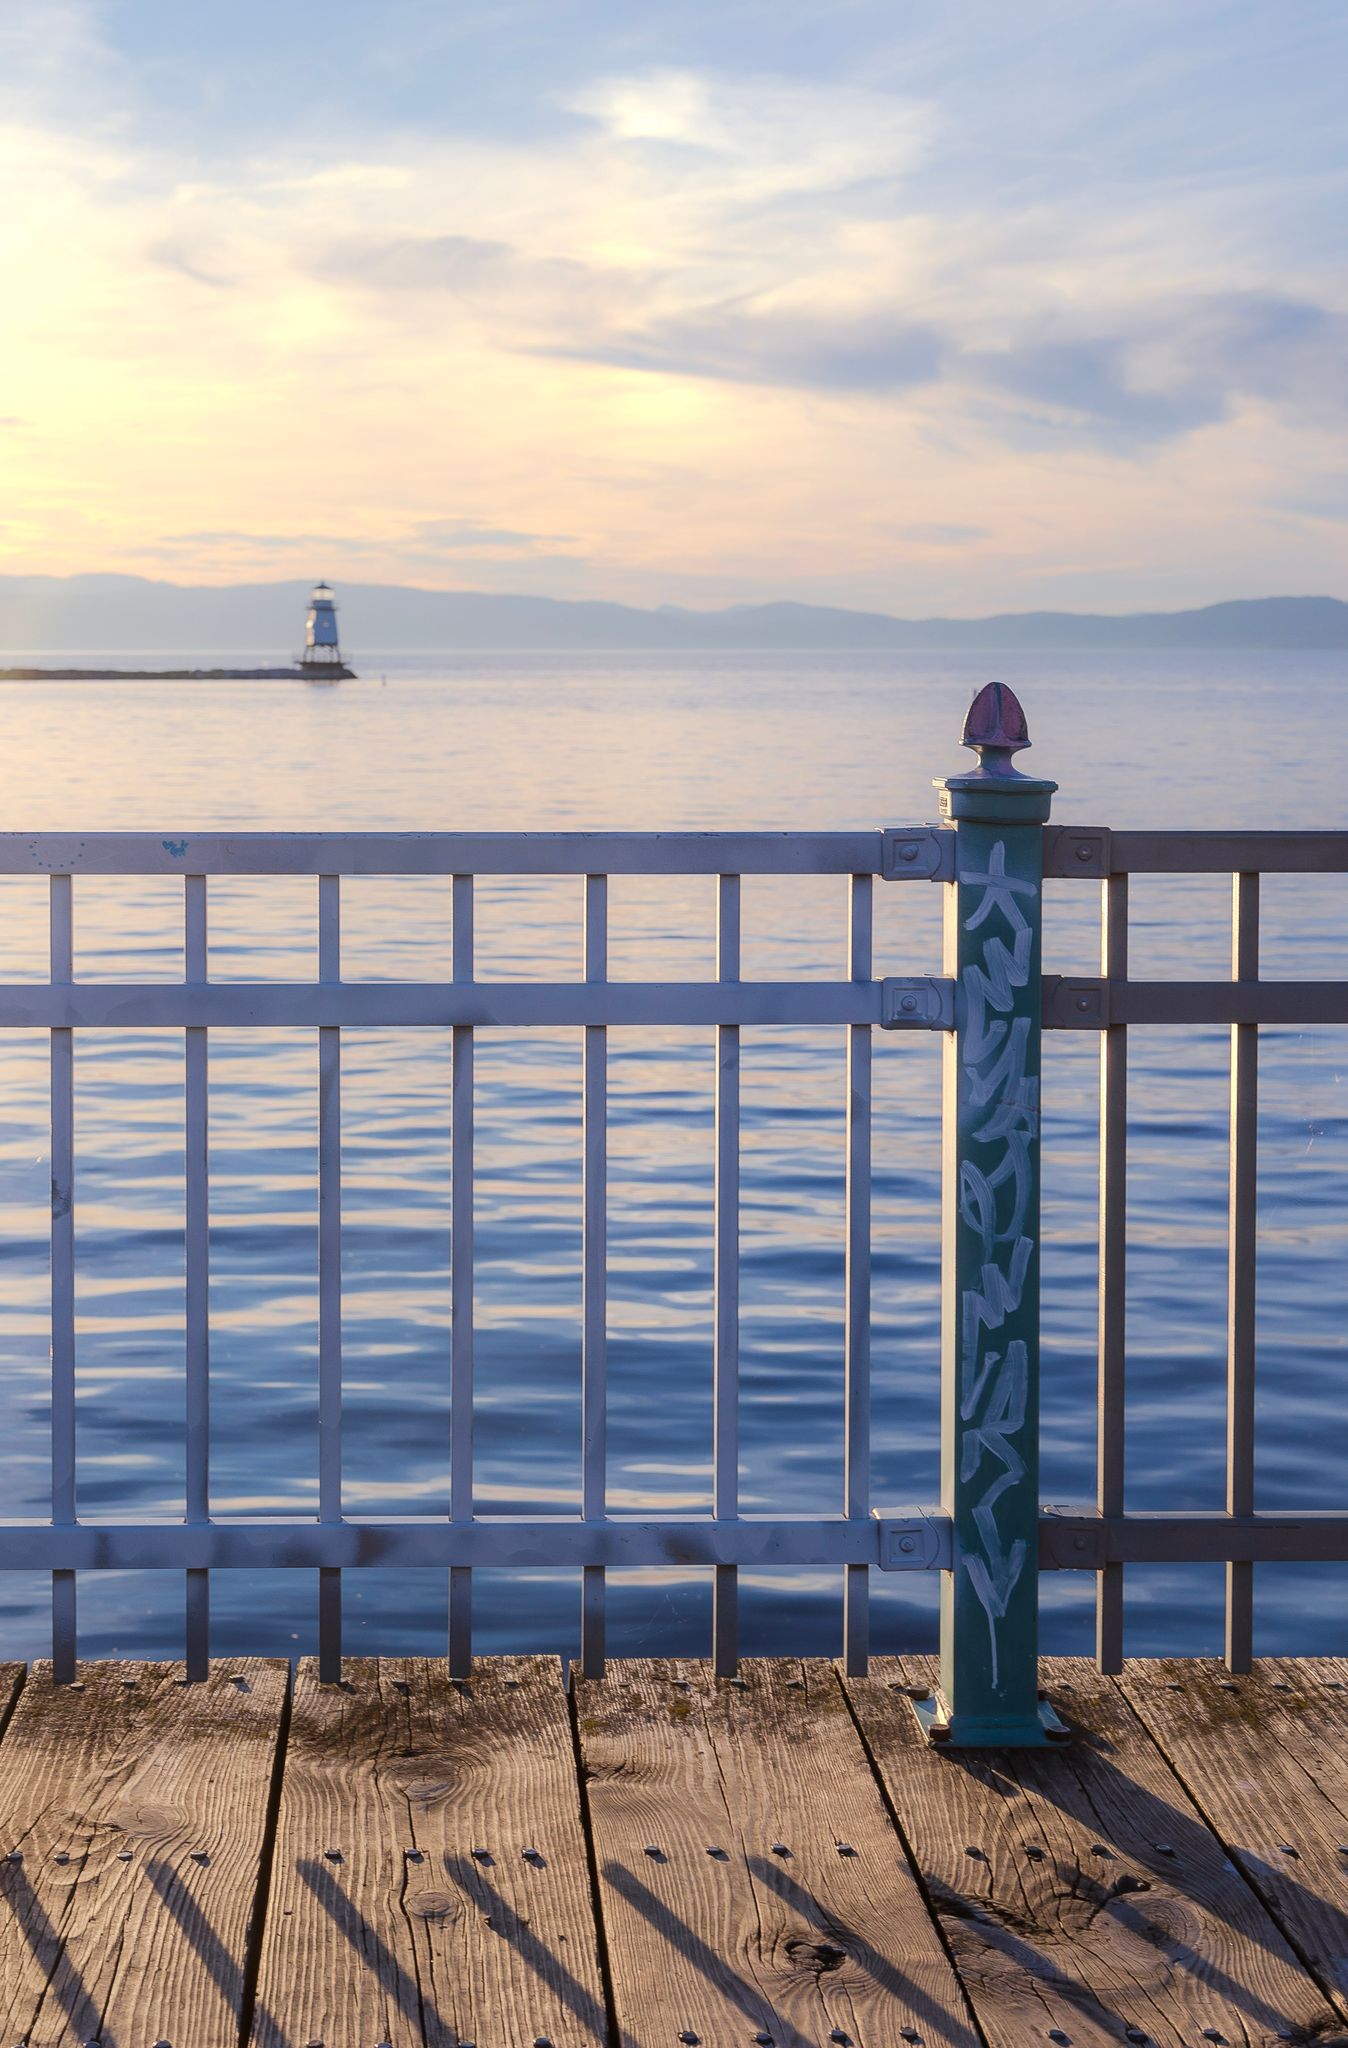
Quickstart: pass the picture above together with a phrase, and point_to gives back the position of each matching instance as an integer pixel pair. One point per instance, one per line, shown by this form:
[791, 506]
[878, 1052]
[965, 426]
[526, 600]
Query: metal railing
[989, 1537]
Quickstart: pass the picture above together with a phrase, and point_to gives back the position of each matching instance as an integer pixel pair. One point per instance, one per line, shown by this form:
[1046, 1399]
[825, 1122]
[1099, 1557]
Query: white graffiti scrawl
[999, 1129]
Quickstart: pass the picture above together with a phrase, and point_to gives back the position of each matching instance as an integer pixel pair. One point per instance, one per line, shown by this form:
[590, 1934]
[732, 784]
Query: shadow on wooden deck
[665, 1858]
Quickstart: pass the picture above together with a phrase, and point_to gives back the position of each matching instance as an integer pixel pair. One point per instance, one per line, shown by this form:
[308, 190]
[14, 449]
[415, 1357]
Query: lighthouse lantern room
[321, 651]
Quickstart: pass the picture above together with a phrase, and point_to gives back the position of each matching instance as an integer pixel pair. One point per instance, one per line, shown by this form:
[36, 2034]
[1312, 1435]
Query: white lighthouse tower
[322, 660]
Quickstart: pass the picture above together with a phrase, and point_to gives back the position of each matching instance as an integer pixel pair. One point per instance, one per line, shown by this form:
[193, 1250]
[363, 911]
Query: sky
[921, 308]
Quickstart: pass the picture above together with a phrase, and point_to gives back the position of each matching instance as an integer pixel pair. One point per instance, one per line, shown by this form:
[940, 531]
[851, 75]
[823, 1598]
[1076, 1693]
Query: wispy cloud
[759, 138]
[454, 535]
[744, 345]
[170, 256]
[1167, 370]
[935, 534]
[1322, 497]
[427, 537]
[640, 309]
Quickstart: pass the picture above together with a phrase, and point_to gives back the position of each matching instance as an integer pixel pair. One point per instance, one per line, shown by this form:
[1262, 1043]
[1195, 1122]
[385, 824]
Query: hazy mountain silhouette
[124, 613]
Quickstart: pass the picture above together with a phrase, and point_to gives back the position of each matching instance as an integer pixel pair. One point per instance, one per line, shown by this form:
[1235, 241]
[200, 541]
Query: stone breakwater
[177, 675]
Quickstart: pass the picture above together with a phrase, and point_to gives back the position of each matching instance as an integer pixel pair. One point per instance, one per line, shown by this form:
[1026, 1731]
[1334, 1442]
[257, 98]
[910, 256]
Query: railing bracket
[1081, 850]
[1078, 1004]
[924, 1002]
[1072, 1539]
[916, 1542]
[923, 853]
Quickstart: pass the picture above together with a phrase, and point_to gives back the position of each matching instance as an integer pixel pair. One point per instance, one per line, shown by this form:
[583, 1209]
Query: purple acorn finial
[995, 728]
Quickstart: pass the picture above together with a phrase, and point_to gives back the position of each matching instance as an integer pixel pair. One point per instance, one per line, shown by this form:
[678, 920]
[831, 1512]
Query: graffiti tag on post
[995, 1195]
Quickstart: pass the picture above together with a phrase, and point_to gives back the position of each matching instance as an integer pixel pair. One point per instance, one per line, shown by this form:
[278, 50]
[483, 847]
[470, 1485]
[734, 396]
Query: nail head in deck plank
[152, 1944]
[1270, 1774]
[782, 1936]
[447, 1944]
[1165, 1943]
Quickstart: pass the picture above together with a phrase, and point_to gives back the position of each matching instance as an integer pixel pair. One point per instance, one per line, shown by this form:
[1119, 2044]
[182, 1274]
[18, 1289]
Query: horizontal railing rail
[913, 1002]
[1084, 1003]
[513, 1005]
[902, 853]
[1069, 1539]
[1082, 853]
[989, 1534]
[1088, 852]
[797, 1542]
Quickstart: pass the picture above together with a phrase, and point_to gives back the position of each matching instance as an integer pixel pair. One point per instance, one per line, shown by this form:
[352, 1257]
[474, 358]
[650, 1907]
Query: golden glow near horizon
[697, 332]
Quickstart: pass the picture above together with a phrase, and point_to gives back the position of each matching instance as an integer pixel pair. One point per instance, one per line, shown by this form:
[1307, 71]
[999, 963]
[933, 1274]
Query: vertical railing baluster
[1242, 1240]
[726, 1271]
[594, 1311]
[461, 1289]
[1112, 1327]
[329, 1279]
[857, 1285]
[62, 1279]
[197, 1303]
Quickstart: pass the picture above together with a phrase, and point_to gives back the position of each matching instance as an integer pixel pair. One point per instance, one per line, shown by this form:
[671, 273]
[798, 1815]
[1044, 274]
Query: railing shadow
[403, 1988]
[84, 2018]
[64, 1982]
[756, 2007]
[1090, 1791]
[349, 1921]
[65, 1986]
[224, 1968]
[535, 1954]
[957, 2034]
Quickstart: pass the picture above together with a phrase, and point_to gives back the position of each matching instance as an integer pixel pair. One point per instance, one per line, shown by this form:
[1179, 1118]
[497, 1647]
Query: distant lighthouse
[322, 660]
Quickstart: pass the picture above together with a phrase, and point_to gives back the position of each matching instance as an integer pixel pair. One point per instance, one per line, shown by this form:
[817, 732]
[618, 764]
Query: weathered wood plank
[12, 1677]
[1081, 1892]
[1265, 1759]
[430, 1880]
[133, 1812]
[751, 1882]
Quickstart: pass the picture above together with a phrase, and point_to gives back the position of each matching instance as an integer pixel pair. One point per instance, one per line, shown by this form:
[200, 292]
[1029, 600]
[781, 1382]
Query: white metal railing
[332, 1542]
[991, 823]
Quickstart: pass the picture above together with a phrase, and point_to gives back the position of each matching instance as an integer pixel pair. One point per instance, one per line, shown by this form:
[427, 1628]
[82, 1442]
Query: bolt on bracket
[924, 853]
[918, 1541]
[1072, 1539]
[924, 1002]
[1076, 1004]
[1081, 850]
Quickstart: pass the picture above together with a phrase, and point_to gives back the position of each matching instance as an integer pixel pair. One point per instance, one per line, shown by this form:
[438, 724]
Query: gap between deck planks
[437, 1863]
[430, 1880]
[1265, 1760]
[752, 1885]
[1082, 1893]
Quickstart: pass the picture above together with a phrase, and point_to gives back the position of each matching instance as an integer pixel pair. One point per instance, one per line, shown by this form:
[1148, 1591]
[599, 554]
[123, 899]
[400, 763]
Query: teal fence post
[989, 1693]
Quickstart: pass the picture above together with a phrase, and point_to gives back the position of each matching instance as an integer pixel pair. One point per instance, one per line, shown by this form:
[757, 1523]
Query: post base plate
[944, 1730]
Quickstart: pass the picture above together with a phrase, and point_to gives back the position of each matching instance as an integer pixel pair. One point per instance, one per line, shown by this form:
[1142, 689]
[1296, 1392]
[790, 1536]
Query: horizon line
[665, 605]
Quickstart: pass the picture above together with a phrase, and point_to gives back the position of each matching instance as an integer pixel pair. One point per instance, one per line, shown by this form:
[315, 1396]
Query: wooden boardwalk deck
[664, 1858]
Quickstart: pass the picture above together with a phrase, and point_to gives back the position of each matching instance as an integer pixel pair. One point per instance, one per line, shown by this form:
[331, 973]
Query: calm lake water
[534, 742]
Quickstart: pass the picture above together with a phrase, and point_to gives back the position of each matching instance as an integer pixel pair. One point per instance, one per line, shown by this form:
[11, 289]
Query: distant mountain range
[113, 613]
